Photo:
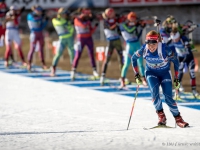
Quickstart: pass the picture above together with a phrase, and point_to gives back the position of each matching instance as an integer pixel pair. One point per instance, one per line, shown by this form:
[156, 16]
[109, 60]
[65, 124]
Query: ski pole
[133, 106]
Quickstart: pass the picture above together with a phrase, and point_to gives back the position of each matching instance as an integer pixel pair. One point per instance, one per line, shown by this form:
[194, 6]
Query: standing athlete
[112, 35]
[36, 22]
[131, 34]
[65, 31]
[12, 33]
[158, 57]
[84, 31]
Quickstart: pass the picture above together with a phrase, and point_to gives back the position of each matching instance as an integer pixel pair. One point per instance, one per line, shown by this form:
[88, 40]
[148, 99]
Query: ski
[159, 126]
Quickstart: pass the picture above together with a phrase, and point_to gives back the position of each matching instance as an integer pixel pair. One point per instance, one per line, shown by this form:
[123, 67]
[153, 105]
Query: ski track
[41, 115]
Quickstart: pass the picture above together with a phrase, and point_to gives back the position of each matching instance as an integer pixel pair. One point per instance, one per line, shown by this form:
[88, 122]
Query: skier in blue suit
[157, 72]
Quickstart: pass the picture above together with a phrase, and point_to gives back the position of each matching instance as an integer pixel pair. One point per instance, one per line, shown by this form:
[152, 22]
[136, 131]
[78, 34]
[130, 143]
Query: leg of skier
[105, 64]
[8, 42]
[180, 75]
[79, 49]
[59, 51]
[40, 39]
[127, 61]
[90, 46]
[33, 41]
[154, 83]
[70, 46]
[18, 46]
[166, 84]
[191, 66]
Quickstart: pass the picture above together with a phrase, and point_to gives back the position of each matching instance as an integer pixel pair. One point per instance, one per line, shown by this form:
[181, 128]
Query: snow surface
[40, 115]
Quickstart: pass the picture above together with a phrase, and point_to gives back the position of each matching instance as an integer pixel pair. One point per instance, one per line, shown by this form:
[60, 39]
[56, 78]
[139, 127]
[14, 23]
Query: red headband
[152, 37]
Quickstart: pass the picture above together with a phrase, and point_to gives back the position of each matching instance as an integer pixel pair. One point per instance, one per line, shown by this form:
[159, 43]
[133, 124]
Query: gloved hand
[176, 83]
[138, 79]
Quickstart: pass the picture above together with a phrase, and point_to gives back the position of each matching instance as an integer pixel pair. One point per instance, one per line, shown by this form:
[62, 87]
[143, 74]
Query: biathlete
[65, 31]
[131, 31]
[37, 21]
[12, 33]
[185, 56]
[84, 31]
[111, 30]
[158, 57]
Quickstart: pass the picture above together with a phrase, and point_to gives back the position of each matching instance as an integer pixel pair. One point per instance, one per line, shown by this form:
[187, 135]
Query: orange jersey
[83, 28]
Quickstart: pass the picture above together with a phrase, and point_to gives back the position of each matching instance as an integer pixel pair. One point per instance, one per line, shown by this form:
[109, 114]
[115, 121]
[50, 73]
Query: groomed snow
[40, 115]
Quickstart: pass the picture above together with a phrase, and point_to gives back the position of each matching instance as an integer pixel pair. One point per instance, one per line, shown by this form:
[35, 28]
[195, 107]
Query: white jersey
[13, 24]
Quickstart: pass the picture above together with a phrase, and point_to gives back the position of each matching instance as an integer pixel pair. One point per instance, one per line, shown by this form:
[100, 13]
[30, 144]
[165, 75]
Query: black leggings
[189, 61]
[114, 44]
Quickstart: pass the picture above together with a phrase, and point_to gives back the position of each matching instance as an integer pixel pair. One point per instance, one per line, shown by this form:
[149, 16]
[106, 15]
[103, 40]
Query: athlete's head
[85, 12]
[63, 12]
[168, 23]
[132, 18]
[37, 10]
[175, 35]
[152, 39]
[109, 13]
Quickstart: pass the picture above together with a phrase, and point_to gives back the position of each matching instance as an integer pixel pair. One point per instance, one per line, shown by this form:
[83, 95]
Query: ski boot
[6, 64]
[29, 67]
[44, 67]
[53, 71]
[195, 94]
[180, 122]
[122, 83]
[95, 74]
[72, 76]
[102, 80]
[161, 117]
[24, 64]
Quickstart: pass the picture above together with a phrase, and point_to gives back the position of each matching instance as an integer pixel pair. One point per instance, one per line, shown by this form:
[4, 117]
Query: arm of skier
[134, 58]
[77, 22]
[44, 23]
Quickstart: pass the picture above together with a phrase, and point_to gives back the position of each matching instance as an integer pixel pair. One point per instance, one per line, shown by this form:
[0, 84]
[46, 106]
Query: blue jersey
[158, 61]
[181, 50]
[36, 23]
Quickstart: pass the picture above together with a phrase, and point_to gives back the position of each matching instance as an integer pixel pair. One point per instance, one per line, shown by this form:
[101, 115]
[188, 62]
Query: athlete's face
[152, 47]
